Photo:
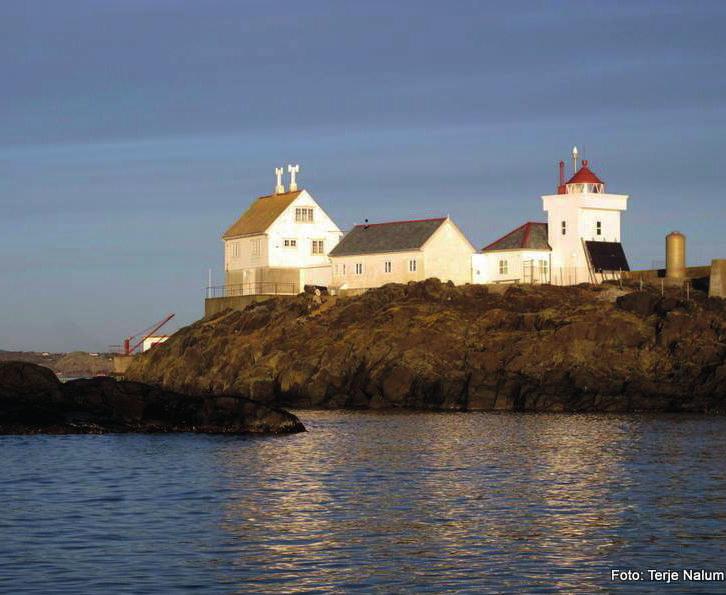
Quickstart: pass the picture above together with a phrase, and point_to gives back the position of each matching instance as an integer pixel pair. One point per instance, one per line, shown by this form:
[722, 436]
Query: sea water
[407, 502]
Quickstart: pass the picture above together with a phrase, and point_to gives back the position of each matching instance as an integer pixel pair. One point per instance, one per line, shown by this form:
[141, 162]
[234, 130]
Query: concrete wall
[265, 280]
[650, 274]
[717, 282]
[216, 305]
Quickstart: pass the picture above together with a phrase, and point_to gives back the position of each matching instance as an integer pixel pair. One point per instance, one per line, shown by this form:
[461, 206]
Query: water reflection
[441, 501]
[364, 501]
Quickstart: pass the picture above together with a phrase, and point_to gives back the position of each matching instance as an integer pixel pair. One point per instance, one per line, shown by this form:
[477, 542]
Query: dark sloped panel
[607, 256]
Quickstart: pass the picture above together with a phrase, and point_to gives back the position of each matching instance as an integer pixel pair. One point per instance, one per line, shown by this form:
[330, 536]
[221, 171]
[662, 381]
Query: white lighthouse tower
[583, 228]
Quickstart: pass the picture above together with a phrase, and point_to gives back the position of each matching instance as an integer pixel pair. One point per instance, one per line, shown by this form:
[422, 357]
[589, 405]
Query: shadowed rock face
[32, 400]
[434, 346]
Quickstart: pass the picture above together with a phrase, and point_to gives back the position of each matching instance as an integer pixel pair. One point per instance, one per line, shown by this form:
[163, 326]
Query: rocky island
[430, 345]
[33, 400]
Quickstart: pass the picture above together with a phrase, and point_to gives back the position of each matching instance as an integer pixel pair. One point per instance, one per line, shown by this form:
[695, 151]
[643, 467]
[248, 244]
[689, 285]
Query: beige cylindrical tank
[675, 255]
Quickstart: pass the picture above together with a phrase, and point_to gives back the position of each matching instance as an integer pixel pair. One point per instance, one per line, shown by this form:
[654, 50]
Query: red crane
[147, 332]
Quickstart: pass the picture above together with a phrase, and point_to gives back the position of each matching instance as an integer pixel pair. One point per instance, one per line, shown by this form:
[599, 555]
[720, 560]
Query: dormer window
[303, 215]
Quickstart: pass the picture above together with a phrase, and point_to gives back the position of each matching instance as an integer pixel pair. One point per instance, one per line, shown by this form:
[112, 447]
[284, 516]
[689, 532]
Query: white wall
[285, 227]
[447, 254]
[485, 266]
[273, 254]
[245, 258]
[580, 212]
[149, 342]
[374, 273]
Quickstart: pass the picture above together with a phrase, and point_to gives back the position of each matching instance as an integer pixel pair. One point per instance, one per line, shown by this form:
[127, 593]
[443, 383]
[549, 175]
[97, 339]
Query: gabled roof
[261, 214]
[584, 175]
[393, 236]
[530, 236]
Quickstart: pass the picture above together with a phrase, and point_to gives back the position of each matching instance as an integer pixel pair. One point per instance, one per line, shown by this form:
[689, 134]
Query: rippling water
[407, 502]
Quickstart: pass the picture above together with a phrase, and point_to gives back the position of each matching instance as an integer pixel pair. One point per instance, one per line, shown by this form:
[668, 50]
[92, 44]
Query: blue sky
[133, 132]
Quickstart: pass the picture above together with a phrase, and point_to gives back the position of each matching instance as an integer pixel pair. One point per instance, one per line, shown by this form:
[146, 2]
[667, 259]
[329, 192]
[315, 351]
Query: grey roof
[530, 236]
[394, 236]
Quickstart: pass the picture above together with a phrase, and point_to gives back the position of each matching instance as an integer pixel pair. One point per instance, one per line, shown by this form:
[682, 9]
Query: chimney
[293, 170]
[279, 187]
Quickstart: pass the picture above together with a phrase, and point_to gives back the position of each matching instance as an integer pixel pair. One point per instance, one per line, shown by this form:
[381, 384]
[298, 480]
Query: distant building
[580, 243]
[149, 342]
[371, 255]
[521, 256]
[279, 244]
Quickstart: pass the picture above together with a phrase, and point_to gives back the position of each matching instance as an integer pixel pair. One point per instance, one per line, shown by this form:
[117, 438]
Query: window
[358, 268]
[564, 227]
[543, 267]
[387, 266]
[290, 243]
[598, 228]
[256, 244]
[303, 214]
[235, 249]
[343, 269]
[412, 266]
[336, 269]
[318, 247]
[503, 267]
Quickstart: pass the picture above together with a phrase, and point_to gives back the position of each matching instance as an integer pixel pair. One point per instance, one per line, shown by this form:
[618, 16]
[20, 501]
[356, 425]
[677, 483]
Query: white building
[521, 256]
[372, 255]
[584, 229]
[580, 243]
[150, 341]
[279, 244]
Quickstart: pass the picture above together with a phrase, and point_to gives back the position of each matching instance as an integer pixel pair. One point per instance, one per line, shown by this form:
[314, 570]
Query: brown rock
[435, 346]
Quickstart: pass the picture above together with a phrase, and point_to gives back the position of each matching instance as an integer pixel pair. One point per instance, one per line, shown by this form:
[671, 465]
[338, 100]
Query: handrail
[241, 289]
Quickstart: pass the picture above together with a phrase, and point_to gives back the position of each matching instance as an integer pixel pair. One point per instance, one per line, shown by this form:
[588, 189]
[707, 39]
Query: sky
[133, 132]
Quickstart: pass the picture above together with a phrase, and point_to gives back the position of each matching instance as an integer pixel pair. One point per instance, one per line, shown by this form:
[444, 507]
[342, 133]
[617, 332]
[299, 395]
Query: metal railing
[241, 289]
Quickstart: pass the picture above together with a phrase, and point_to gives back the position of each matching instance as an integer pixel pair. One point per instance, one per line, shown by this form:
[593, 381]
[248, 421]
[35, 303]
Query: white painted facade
[446, 255]
[511, 266]
[574, 217]
[149, 342]
[581, 211]
[295, 240]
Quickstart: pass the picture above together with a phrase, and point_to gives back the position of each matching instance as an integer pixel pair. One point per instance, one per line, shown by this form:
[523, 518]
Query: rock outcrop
[435, 346]
[33, 400]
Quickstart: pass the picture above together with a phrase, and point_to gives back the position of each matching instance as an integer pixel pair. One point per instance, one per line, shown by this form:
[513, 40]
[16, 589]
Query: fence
[239, 289]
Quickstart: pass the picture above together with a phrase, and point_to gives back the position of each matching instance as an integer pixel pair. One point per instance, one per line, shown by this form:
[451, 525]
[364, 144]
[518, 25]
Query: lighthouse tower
[583, 228]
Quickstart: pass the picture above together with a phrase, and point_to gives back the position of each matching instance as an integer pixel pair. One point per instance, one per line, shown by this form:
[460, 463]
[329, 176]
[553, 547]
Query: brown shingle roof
[394, 236]
[530, 236]
[261, 214]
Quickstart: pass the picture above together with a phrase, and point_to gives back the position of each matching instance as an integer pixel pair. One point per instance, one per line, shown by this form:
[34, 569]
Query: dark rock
[32, 400]
[642, 303]
[431, 345]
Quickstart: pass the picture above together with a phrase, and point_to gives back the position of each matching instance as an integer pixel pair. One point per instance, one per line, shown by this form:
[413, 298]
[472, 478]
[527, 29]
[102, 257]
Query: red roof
[531, 236]
[584, 176]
